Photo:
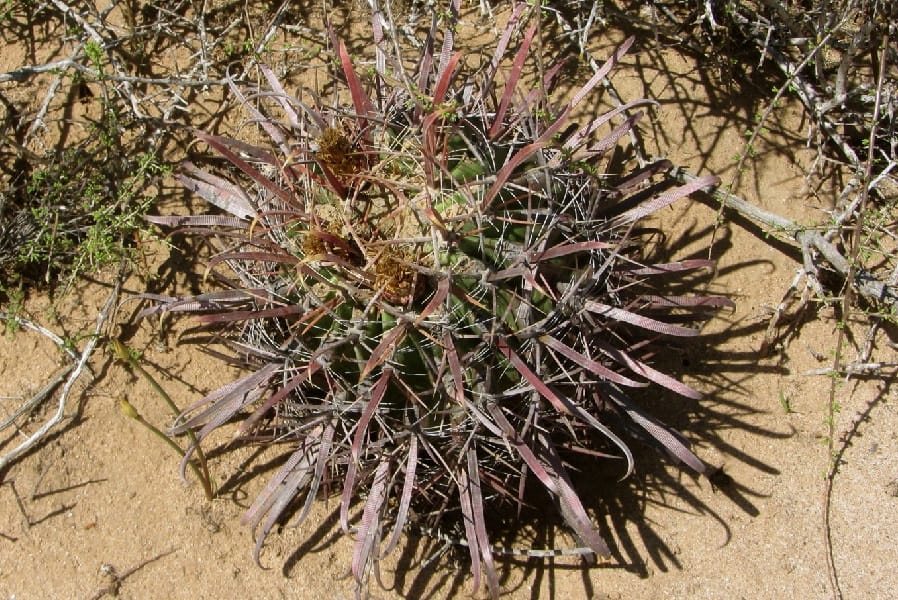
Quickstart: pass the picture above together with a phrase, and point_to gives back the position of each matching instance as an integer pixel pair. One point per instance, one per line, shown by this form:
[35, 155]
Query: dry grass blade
[648, 372]
[439, 92]
[217, 191]
[363, 106]
[377, 394]
[368, 534]
[468, 520]
[513, 76]
[665, 199]
[671, 442]
[590, 364]
[405, 496]
[571, 505]
[476, 506]
[625, 316]
[563, 405]
[221, 144]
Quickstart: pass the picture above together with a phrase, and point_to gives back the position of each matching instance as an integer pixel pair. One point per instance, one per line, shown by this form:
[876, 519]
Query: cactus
[439, 292]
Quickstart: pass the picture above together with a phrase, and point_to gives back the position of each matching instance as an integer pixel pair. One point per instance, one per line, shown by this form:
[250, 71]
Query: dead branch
[73, 376]
[22, 73]
[868, 286]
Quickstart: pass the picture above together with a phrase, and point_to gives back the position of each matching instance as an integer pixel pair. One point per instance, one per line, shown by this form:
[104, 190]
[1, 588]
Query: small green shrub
[80, 208]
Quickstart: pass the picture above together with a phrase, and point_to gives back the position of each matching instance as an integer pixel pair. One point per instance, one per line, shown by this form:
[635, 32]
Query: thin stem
[201, 456]
[124, 354]
[129, 411]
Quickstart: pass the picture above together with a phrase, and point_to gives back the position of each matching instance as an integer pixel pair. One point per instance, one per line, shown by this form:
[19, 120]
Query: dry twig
[868, 286]
[73, 376]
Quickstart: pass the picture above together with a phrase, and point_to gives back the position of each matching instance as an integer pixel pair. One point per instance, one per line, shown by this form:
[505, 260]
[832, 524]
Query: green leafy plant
[80, 208]
[440, 294]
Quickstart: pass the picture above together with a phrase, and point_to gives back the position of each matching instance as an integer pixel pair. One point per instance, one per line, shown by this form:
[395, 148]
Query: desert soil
[99, 508]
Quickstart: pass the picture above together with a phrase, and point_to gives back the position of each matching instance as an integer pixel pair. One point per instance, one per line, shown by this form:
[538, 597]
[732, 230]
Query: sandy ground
[99, 508]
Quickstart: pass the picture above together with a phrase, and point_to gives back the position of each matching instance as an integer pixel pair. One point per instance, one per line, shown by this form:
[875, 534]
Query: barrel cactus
[440, 292]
